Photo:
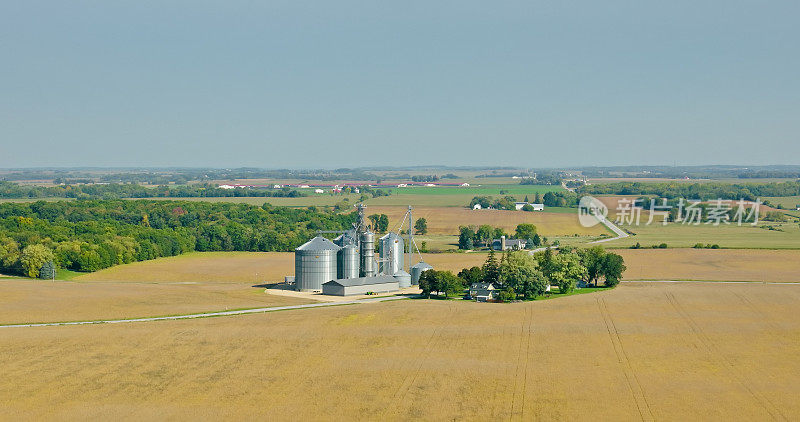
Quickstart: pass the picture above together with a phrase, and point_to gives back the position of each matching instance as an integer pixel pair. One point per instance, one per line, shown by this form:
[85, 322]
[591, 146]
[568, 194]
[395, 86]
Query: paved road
[618, 231]
[209, 314]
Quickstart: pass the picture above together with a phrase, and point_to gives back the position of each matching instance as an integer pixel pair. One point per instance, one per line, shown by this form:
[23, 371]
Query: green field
[727, 236]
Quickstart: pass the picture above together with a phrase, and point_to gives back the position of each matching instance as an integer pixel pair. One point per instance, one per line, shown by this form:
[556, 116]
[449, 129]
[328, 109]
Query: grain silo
[315, 263]
[417, 270]
[367, 254]
[348, 261]
[391, 253]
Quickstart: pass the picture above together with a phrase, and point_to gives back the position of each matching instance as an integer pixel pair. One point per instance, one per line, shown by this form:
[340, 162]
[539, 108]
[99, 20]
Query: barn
[360, 286]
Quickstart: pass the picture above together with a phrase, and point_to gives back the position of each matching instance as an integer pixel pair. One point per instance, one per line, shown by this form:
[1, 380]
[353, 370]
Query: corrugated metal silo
[417, 270]
[403, 279]
[348, 261]
[367, 254]
[391, 249]
[315, 263]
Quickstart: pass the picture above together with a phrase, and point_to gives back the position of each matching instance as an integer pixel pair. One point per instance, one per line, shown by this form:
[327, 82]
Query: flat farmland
[445, 221]
[248, 268]
[641, 351]
[45, 301]
[712, 264]
[786, 235]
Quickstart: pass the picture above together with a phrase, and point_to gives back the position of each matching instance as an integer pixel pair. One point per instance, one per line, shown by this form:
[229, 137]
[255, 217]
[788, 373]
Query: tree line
[518, 275]
[95, 234]
[702, 191]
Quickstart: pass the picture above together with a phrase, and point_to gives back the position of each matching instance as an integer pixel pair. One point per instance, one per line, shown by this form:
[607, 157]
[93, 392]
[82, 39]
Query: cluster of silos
[352, 255]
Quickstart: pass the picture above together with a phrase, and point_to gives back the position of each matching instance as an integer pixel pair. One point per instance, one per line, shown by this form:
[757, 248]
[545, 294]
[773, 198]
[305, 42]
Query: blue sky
[344, 84]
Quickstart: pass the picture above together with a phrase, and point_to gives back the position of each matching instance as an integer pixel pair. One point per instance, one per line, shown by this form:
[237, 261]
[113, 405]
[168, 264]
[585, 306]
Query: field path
[208, 314]
[634, 385]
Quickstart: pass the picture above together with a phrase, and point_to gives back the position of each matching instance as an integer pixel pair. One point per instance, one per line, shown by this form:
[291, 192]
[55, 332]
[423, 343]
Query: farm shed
[360, 286]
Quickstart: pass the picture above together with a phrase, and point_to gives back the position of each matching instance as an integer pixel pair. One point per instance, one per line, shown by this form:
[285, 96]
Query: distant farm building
[465, 185]
[477, 207]
[536, 207]
[226, 187]
[319, 191]
[503, 244]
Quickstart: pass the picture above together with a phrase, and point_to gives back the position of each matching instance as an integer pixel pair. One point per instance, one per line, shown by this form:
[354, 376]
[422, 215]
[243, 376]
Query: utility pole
[410, 237]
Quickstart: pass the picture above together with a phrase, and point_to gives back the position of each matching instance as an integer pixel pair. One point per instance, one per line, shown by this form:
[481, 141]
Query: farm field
[712, 264]
[654, 351]
[248, 268]
[45, 301]
[727, 236]
[445, 221]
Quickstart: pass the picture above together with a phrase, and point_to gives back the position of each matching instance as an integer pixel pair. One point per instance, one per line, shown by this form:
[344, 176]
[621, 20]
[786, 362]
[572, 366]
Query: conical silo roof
[318, 243]
[422, 265]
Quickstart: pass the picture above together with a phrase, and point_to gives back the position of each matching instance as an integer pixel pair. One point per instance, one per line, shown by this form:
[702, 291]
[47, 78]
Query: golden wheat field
[446, 220]
[712, 264]
[44, 301]
[638, 352]
[240, 267]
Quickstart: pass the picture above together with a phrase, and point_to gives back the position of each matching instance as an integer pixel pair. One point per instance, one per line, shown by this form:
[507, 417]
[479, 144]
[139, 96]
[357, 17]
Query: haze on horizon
[290, 84]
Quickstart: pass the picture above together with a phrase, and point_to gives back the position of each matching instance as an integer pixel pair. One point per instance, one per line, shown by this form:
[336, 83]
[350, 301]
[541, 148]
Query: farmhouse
[482, 292]
[503, 244]
[477, 207]
[536, 207]
[360, 286]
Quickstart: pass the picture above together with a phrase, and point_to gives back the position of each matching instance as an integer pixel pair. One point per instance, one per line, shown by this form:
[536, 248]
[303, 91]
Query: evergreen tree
[491, 270]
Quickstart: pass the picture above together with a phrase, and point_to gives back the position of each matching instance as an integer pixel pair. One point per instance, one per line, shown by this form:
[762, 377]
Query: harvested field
[217, 267]
[641, 351]
[446, 220]
[44, 301]
[239, 267]
[711, 264]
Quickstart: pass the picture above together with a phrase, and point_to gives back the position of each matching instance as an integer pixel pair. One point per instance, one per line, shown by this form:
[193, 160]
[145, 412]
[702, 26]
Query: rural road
[209, 314]
[618, 231]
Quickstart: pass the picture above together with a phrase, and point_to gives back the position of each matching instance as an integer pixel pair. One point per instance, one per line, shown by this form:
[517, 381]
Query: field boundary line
[635, 387]
[206, 314]
[712, 349]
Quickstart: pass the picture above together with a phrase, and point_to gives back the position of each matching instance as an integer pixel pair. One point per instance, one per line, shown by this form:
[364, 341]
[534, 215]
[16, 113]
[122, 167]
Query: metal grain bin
[367, 254]
[391, 249]
[403, 279]
[348, 263]
[417, 270]
[314, 264]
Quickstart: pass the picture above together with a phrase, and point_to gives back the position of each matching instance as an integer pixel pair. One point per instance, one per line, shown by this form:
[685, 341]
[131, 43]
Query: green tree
[383, 223]
[566, 271]
[465, 238]
[471, 275]
[9, 252]
[421, 226]
[48, 271]
[613, 266]
[484, 233]
[525, 231]
[536, 240]
[491, 270]
[593, 259]
[34, 257]
[520, 272]
[374, 220]
[450, 283]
